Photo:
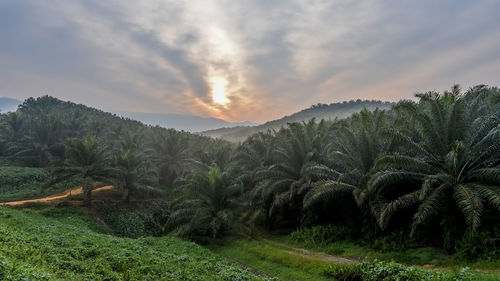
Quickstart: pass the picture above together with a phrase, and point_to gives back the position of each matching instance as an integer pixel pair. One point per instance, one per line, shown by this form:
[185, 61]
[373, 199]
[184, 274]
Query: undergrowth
[62, 245]
[18, 183]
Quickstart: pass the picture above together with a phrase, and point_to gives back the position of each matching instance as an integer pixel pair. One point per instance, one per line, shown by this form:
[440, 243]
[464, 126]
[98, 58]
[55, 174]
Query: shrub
[381, 271]
[472, 248]
[149, 221]
[18, 271]
[318, 236]
[395, 241]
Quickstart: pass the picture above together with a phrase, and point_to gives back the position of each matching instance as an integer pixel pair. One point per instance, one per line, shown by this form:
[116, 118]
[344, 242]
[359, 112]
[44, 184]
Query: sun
[218, 85]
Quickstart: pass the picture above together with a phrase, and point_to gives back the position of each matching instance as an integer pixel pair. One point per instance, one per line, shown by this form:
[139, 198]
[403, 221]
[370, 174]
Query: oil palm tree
[134, 173]
[86, 159]
[171, 150]
[354, 150]
[41, 144]
[253, 156]
[205, 207]
[283, 184]
[456, 161]
[218, 152]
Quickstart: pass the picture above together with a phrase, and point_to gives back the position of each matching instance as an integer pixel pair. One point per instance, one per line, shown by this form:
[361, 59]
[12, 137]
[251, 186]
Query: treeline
[318, 111]
[426, 171]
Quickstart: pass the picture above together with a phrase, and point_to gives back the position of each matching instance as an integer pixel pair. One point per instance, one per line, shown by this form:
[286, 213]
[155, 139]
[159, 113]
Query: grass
[426, 257]
[337, 240]
[278, 257]
[349, 249]
[55, 244]
[266, 257]
[19, 183]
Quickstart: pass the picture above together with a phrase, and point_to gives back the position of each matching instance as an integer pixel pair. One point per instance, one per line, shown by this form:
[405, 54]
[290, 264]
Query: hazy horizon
[243, 60]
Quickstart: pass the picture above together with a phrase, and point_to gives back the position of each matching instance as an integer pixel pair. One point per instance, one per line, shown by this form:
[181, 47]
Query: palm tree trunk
[87, 192]
[127, 197]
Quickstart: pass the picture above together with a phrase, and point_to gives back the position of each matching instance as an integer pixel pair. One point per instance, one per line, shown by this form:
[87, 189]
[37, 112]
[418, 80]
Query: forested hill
[35, 134]
[319, 111]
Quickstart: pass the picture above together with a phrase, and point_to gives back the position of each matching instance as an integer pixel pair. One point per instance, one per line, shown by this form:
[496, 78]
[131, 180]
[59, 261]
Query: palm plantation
[424, 174]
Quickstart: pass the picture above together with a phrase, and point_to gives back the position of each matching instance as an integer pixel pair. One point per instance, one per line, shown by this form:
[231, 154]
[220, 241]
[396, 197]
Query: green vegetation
[427, 170]
[289, 263]
[142, 221]
[413, 183]
[396, 247]
[318, 111]
[17, 183]
[87, 161]
[266, 257]
[62, 245]
[134, 173]
[205, 209]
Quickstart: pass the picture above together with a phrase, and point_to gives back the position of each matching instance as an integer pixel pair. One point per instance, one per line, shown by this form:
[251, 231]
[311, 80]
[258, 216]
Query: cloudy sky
[243, 60]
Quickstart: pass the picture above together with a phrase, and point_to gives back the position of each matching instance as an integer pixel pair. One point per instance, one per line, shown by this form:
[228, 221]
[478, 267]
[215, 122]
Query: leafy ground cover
[55, 244]
[286, 262]
[17, 183]
[336, 241]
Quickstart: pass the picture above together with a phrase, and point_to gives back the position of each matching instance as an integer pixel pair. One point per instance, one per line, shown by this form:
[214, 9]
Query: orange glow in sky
[219, 95]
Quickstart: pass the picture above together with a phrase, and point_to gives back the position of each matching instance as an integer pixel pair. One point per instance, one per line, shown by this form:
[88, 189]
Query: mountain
[8, 104]
[319, 111]
[188, 123]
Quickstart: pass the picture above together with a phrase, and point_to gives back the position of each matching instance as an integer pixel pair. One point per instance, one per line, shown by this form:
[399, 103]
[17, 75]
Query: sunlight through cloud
[218, 85]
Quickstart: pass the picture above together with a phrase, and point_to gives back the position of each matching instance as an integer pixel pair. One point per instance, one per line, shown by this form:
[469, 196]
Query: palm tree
[43, 143]
[253, 156]
[456, 162]
[134, 173]
[86, 159]
[218, 152]
[284, 183]
[12, 127]
[171, 150]
[354, 150]
[205, 209]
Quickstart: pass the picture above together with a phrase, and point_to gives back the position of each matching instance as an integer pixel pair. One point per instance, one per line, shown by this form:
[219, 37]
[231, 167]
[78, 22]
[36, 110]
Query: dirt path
[305, 253]
[308, 254]
[71, 192]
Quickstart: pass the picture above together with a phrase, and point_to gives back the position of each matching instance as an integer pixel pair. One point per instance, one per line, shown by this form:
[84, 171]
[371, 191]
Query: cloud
[276, 56]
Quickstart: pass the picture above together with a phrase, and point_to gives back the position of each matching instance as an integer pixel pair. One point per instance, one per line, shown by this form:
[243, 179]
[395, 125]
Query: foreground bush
[381, 271]
[38, 247]
[18, 271]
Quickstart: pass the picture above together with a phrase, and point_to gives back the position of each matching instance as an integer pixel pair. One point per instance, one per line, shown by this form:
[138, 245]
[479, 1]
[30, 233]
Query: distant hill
[318, 111]
[188, 123]
[8, 104]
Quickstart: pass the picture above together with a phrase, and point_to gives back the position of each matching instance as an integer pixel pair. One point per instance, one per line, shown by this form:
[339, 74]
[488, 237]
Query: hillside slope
[190, 123]
[57, 244]
[319, 111]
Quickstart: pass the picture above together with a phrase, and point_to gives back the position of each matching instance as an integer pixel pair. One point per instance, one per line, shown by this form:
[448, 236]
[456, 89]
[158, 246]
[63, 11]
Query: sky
[243, 60]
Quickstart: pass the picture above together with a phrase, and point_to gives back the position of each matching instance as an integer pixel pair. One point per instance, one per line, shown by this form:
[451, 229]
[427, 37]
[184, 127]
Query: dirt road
[66, 194]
